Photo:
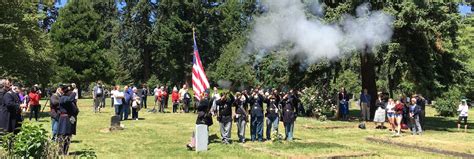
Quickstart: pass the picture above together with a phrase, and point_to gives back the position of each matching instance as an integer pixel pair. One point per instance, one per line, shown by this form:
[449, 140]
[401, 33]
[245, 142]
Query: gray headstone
[201, 137]
[115, 121]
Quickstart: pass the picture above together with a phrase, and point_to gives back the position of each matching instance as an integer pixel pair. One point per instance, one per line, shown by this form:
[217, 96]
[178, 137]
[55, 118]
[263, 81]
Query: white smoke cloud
[286, 22]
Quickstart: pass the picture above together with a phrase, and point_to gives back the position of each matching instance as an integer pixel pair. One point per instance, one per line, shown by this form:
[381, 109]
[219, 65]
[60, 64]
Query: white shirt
[77, 93]
[463, 109]
[157, 91]
[117, 101]
[136, 100]
[390, 108]
[181, 92]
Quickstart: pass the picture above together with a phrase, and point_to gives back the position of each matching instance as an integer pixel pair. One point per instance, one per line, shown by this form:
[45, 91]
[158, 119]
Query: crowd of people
[257, 107]
[63, 106]
[280, 107]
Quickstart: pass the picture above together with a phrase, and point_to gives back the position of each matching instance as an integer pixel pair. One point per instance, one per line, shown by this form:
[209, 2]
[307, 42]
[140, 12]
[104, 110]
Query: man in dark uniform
[241, 117]
[256, 124]
[272, 116]
[224, 109]
[289, 116]
[9, 108]
[67, 119]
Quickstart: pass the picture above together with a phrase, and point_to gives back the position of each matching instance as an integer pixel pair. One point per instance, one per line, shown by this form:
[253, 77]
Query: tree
[25, 49]
[76, 37]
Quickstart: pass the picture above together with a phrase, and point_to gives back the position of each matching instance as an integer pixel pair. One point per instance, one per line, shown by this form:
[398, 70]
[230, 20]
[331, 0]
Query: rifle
[46, 103]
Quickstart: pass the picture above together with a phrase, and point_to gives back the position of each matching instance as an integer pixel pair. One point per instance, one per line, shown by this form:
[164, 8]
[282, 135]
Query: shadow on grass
[214, 139]
[87, 153]
[76, 141]
[442, 124]
[306, 145]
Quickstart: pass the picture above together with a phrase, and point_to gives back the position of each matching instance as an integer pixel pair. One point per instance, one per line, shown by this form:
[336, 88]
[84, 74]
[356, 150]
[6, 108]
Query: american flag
[200, 83]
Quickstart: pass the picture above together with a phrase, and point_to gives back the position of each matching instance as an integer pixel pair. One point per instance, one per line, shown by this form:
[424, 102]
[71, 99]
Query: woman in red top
[34, 104]
[175, 99]
[398, 115]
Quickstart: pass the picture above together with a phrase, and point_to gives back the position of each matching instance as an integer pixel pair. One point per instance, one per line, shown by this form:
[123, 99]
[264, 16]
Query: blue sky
[463, 9]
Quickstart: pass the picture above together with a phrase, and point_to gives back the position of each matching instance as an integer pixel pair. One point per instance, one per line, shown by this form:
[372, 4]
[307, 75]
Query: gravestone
[115, 123]
[202, 137]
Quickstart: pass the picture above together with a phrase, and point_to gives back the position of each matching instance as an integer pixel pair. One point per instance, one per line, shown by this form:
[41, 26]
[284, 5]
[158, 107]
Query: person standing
[224, 109]
[135, 103]
[343, 104]
[144, 95]
[272, 116]
[379, 116]
[9, 108]
[241, 115]
[54, 112]
[463, 113]
[365, 99]
[75, 90]
[420, 101]
[204, 117]
[34, 104]
[97, 94]
[164, 99]
[156, 93]
[391, 114]
[399, 106]
[415, 111]
[118, 101]
[66, 122]
[175, 99]
[256, 124]
[186, 98]
[128, 95]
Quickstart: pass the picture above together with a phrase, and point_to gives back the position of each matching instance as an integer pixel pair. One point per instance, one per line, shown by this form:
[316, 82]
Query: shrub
[316, 102]
[30, 142]
[447, 104]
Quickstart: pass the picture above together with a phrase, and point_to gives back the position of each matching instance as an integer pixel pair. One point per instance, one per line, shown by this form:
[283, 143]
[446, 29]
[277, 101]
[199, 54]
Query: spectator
[175, 99]
[365, 99]
[399, 106]
[380, 112]
[391, 114]
[463, 113]
[415, 111]
[135, 103]
[34, 104]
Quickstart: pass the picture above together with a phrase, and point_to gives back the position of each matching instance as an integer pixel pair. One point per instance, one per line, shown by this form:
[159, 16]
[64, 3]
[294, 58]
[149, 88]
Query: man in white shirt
[463, 113]
[118, 96]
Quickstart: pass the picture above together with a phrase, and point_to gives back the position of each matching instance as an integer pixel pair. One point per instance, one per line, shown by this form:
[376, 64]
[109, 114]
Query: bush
[316, 102]
[30, 142]
[447, 104]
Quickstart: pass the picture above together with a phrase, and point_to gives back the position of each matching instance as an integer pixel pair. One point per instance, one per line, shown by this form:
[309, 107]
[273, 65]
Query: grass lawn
[165, 135]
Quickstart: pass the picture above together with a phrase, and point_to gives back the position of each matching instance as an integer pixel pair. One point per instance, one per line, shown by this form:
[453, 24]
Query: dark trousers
[162, 106]
[175, 106]
[241, 123]
[118, 110]
[186, 105]
[143, 102]
[126, 111]
[134, 113]
[34, 109]
[112, 102]
[256, 128]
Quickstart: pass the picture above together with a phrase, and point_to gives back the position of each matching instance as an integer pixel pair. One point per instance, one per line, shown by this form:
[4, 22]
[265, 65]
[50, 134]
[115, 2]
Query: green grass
[165, 135]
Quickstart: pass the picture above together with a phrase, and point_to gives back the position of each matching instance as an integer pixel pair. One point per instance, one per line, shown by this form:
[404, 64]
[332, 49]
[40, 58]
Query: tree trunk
[367, 71]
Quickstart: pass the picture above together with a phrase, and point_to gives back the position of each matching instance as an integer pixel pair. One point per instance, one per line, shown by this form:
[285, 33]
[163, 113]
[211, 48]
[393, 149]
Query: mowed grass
[165, 135]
